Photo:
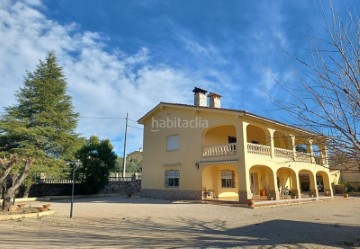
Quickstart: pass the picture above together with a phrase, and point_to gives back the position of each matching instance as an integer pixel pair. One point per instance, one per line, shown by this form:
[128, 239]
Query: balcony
[265, 150]
[258, 149]
[219, 150]
[283, 153]
[303, 157]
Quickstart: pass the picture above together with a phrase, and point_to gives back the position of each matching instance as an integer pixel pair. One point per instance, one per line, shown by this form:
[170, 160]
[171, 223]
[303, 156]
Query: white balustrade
[303, 157]
[258, 149]
[219, 150]
[283, 153]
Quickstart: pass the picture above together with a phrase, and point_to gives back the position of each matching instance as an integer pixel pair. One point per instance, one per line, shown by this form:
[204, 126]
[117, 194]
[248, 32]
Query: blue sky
[124, 56]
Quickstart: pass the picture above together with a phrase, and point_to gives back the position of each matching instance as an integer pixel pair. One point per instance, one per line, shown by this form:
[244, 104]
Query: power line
[135, 127]
[101, 117]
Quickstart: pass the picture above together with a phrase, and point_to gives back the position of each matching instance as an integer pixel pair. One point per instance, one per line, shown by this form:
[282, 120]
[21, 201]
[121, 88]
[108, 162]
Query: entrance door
[254, 185]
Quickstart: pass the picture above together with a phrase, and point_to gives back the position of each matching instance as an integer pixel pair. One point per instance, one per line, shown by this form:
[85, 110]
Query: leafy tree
[98, 159]
[132, 166]
[40, 127]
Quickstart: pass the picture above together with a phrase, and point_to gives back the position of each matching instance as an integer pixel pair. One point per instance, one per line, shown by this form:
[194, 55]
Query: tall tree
[40, 127]
[98, 159]
[326, 98]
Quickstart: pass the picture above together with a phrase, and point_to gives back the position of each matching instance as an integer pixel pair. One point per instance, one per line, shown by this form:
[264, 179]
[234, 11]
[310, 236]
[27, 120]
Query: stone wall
[44, 189]
[122, 187]
[63, 189]
[172, 194]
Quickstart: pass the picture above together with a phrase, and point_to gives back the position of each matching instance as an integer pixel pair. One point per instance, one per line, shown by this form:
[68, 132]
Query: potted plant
[46, 206]
[129, 189]
[250, 202]
[13, 208]
[41, 209]
[21, 205]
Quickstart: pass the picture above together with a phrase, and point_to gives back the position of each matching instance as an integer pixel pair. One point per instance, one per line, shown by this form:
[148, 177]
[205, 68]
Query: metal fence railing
[69, 180]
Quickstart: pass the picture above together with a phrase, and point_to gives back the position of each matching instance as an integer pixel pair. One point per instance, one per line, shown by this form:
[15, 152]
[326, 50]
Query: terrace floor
[119, 222]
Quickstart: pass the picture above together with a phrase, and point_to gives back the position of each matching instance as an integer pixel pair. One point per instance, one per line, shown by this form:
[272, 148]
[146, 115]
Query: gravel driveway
[119, 222]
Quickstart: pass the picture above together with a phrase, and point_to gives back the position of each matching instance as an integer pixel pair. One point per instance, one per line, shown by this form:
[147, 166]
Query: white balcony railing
[283, 153]
[219, 150]
[258, 149]
[303, 157]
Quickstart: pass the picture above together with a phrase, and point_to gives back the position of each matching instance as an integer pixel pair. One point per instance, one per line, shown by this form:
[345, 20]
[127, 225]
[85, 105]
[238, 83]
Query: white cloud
[201, 48]
[101, 83]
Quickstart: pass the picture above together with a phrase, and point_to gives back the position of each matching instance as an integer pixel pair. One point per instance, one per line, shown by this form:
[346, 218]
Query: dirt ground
[120, 222]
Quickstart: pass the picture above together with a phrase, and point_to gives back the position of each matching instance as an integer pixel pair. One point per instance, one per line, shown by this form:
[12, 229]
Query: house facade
[348, 173]
[203, 151]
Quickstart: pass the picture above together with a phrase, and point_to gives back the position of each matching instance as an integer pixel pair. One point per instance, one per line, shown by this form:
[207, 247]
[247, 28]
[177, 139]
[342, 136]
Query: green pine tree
[41, 126]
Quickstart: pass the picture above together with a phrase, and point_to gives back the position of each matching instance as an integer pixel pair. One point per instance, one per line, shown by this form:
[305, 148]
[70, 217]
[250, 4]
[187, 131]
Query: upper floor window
[172, 142]
[227, 179]
[231, 139]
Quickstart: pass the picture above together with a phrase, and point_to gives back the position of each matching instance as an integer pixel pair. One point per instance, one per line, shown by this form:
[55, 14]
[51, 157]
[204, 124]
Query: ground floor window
[227, 179]
[172, 178]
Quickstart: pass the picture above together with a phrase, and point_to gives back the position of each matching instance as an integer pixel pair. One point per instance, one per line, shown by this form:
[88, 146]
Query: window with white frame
[172, 178]
[227, 179]
[172, 142]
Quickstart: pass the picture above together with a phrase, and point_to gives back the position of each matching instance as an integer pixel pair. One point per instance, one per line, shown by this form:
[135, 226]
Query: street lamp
[75, 167]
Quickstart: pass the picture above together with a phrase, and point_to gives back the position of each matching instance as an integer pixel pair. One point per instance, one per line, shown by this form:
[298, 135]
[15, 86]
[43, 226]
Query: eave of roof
[241, 112]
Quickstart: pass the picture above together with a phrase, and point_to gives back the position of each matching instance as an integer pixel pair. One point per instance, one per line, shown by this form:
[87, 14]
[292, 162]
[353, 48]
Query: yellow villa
[203, 151]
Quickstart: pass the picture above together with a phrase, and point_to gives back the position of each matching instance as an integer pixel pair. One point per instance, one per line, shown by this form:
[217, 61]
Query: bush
[349, 187]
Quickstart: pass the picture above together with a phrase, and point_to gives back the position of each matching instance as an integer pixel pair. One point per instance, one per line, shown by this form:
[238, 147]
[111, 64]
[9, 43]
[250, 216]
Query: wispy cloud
[102, 83]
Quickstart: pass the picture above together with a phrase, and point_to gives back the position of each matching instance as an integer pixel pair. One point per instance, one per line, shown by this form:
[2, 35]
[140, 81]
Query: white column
[324, 155]
[272, 143]
[293, 146]
[244, 175]
[298, 187]
[311, 150]
[276, 187]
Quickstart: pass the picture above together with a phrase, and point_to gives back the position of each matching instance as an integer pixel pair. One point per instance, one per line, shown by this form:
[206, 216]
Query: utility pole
[124, 154]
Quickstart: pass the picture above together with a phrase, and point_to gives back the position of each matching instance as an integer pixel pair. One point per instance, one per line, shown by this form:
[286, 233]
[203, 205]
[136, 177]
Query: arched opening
[282, 140]
[220, 135]
[256, 135]
[283, 145]
[286, 183]
[220, 181]
[219, 141]
[302, 148]
[257, 140]
[262, 181]
[307, 184]
[323, 183]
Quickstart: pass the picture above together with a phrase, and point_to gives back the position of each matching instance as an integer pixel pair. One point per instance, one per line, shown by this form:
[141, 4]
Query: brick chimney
[200, 98]
[215, 100]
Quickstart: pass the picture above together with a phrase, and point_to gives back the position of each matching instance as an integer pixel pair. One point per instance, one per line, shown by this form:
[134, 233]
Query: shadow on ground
[116, 199]
[135, 233]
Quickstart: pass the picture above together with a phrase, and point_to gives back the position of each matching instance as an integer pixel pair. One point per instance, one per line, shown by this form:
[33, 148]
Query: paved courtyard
[119, 222]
